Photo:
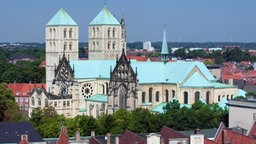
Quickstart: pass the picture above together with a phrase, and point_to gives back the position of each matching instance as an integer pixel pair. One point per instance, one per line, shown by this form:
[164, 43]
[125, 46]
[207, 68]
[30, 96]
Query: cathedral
[109, 80]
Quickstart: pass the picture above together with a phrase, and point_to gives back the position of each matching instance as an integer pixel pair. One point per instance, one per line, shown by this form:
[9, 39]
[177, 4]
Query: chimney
[197, 131]
[108, 138]
[77, 134]
[116, 140]
[162, 141]
[92, 133]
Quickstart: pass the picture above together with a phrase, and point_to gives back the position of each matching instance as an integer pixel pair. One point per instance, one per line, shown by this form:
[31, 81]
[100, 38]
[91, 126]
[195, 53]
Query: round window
[87, 90]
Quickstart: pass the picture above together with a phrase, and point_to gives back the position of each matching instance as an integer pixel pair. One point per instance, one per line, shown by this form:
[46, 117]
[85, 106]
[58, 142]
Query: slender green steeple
[164, 50]
[61, 18]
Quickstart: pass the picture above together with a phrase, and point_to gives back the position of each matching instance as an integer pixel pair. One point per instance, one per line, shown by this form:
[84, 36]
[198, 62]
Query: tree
[9, 109]
[122, 119]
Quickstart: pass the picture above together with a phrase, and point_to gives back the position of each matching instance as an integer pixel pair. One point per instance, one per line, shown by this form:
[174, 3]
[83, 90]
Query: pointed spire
[164, 50]
[61, 18]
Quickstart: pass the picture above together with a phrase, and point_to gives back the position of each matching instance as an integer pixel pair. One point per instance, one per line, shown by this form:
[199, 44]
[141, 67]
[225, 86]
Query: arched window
[173, 93]
[109, 32]
[93, 43]
[231, 96]
[46, 102]
[143, 97]
[93, 32]
[65, 33]
[227, 97]
[65, 46]
[106, 88]
[197, 96]
[97, 111]
[103, 89]
[113, 45]
[218, 98]
[114, 32]
[185, 97]
[70, 33]
[54, 33]
[70, 46]
[39, 101]
[109, 44]
[166, 96]
[97, 33]
[150, 92]
[32, 101]
[208, 97]
[50, 33]
[157, 96]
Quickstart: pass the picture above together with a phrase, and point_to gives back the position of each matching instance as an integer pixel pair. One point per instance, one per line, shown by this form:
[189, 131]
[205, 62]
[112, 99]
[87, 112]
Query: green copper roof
[164, 49]
[221, 85]
[223, 103]
[98, 98]
[148, 72]
[104, 18]
[196, 80]
[61, 18]
[159, 108]
[241, 92]
[146, 104]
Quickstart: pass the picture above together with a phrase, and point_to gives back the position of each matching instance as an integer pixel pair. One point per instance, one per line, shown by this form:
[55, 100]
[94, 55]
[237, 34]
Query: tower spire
[164, 50]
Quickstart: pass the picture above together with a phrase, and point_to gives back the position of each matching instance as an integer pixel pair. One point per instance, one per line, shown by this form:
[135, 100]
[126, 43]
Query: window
[55, 104]
[65, 33]
[97, 33]
[68, 103]
[227, 97]
[208, 97]
[143, 97]
[70, 33]
[70, 46]
[113, 45]
[16, 99]
[93, 44]
[197, 96]
[64, 103]
[166, 96]
[218, 98]
[173, 93]
[185, 97]
[93, 32]
[26, 99]
[114, 32]
[32, 101]
[65, 46]
[103, 89]
[39, 101]
[109, 45]
[150, 94]
[46, 102]
[26, 106]
[157, 96]
[231, 96]
[109, 32]
[21, 99]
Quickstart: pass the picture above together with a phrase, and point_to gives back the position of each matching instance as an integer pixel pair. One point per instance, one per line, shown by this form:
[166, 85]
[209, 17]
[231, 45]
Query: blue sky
[185, 20]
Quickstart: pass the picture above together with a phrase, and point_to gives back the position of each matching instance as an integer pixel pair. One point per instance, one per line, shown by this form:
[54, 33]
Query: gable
[196, 80]
[64, 71]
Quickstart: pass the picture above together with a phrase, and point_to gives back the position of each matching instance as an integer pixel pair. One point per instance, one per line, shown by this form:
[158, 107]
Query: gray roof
[208, 133]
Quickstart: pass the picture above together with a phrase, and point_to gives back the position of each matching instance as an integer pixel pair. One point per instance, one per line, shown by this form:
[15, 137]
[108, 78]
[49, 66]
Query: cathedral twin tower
[106, 39]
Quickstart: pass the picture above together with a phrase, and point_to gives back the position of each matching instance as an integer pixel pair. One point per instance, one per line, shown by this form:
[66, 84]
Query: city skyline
[185, 21]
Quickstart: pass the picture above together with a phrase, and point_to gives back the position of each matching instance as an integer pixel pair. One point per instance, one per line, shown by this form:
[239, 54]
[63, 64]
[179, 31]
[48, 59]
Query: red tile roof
[43, 63]
[22, 89]
[129, 137]
[206, 141]
[232, 136]
[63, 138]
[251, 73]
[168, 133]
[93, 140]
[252, 131]
[138, 58]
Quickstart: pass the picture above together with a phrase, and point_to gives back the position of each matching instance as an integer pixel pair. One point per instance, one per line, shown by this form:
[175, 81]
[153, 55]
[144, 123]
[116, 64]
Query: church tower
[164, 50]
[106, 39]
[61, 34]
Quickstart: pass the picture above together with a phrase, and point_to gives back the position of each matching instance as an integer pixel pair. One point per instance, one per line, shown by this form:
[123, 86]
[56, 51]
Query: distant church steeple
[164, 50]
